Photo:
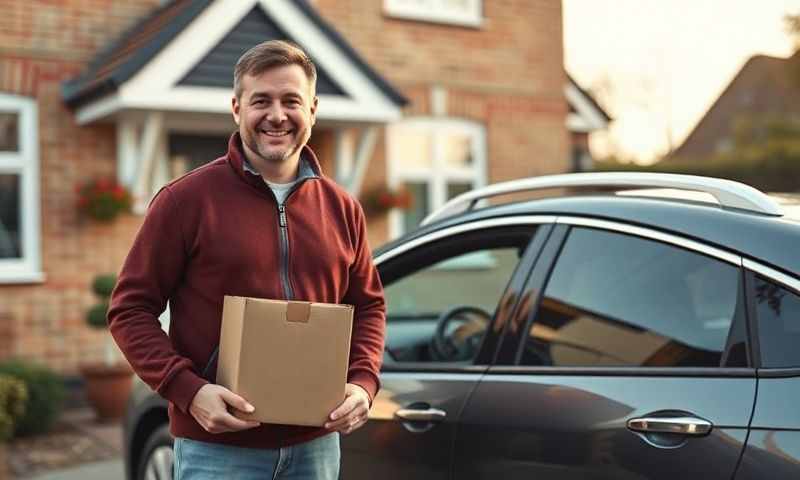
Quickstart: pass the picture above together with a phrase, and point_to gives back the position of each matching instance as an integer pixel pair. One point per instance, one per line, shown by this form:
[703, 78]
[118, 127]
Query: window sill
[21, 278]
[443, 20]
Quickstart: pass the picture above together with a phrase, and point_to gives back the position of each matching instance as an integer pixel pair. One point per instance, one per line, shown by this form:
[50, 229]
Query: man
[262, 221]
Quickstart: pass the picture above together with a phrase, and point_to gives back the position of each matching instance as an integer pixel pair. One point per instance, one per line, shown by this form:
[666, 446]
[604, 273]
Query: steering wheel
[464, 342]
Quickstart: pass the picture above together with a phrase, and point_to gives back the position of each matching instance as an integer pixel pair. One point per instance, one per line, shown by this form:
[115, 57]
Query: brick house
[765, 87]
[437, 97]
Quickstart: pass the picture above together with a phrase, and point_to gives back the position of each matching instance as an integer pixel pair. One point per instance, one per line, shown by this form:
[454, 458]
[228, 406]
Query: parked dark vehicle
[613, 335]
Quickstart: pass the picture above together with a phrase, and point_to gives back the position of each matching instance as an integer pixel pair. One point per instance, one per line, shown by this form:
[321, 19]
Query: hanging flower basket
[103, 200]
[382, 199]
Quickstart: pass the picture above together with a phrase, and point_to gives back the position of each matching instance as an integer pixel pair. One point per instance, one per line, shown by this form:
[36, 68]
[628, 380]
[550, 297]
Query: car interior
[441, 297]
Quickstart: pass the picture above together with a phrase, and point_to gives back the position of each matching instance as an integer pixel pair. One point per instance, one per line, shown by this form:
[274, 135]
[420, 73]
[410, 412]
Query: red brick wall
[508, 75]
[43, 43]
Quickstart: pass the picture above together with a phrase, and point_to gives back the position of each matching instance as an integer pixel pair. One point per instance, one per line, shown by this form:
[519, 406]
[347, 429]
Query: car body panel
[771, 453]
[773, 447]
[523, 425]
[388, 448]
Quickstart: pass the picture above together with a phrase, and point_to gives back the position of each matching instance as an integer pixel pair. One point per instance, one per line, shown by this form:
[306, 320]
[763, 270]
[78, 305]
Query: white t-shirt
[281, 190]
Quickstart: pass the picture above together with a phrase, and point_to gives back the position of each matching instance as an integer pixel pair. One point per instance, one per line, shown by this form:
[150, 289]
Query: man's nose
[275, 113]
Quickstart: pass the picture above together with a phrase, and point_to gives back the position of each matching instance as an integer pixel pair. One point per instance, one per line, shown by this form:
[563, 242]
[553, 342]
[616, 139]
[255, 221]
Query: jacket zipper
[287, 287]
[284, 240]
[284, 266]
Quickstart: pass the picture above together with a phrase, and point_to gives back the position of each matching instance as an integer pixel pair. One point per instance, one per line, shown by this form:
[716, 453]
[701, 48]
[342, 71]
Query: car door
[459, 282]
[773, 445]
[630, 362]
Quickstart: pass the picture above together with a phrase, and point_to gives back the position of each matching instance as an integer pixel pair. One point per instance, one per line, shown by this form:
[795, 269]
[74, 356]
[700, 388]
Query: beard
[272, 154]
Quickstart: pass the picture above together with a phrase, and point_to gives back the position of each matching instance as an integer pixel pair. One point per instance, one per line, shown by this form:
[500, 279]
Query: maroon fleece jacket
[215, 232]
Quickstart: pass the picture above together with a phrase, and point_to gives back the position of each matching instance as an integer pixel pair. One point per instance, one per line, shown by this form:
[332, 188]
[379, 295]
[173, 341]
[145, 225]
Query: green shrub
[13, 396]
[103, 285]
[45, 396]
[96, 316]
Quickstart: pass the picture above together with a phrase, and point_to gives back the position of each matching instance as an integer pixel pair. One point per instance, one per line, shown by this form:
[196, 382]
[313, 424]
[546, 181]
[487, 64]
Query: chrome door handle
[681, 425]
[427, 415]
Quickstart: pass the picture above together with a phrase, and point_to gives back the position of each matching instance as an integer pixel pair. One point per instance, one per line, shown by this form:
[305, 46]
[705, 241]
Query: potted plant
[108, 383]
[103, 200]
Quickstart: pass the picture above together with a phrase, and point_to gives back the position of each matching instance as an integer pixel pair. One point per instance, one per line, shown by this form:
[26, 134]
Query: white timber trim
[586, 117]
[364, 151]
[155, 86]
[344, 155]
[152, 145]
[24, 163]
[127, 151]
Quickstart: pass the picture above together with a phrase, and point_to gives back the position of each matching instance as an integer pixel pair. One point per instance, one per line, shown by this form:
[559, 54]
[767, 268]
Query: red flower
[103, 199]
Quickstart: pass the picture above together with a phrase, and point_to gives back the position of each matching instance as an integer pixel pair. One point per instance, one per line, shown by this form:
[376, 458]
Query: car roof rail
[727, 192]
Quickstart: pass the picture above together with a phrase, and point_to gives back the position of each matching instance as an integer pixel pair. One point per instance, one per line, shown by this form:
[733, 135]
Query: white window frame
[25, 163]
[439, 174]
[436, 11]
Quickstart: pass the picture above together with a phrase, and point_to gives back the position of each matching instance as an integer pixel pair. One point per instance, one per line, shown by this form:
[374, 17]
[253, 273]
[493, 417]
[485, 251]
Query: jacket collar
[308, 168]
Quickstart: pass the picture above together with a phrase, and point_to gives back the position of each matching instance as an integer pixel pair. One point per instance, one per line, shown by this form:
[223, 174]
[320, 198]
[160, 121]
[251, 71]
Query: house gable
[175, 75]
[585, 115]
[214, 70]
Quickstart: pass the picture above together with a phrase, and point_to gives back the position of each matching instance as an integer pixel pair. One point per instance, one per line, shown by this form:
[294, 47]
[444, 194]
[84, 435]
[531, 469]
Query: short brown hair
[270, 54]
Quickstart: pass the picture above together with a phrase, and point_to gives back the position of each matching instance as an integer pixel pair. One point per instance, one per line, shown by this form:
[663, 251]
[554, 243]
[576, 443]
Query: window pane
[10, 246]
[9, 132]
[619, 300]
[412, 148]
[419, 207]
[778, 312]
[457, 150]
[457, 188]
[192, 151]
[417, 302]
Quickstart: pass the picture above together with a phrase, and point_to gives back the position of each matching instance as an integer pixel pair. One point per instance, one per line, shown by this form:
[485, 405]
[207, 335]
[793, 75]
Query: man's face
[275, 113]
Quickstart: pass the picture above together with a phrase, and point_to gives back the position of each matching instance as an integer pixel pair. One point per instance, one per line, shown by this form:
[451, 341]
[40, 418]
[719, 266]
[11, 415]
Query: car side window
[620, 300]
[778, 317]
[441, 298]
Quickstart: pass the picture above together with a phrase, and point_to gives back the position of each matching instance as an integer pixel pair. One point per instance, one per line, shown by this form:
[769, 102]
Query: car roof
[766, 238]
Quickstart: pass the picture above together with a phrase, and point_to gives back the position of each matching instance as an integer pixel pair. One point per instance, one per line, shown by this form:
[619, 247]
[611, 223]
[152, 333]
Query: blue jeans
[317, 460]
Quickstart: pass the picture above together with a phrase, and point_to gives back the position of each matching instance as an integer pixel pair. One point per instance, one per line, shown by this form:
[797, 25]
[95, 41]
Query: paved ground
[110, 470]
[84, 429]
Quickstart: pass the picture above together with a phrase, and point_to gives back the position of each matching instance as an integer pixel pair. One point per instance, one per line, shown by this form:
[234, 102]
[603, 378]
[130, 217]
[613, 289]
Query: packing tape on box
[298, 312]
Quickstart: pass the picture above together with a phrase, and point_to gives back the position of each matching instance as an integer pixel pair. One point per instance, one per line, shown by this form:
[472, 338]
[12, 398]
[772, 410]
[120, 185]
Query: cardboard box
[288, 359]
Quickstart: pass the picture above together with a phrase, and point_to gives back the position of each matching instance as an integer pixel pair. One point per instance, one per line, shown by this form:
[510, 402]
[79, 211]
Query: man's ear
[235, 109]
[314, 105]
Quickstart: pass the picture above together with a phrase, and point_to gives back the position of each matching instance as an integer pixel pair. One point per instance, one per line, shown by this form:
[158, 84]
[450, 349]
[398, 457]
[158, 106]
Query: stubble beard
[274, 157]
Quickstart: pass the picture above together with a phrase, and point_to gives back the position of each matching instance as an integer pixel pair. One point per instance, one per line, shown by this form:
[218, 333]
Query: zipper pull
[282, 213]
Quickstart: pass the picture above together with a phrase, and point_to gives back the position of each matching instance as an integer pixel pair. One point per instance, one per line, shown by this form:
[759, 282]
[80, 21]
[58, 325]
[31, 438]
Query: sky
[658, 65]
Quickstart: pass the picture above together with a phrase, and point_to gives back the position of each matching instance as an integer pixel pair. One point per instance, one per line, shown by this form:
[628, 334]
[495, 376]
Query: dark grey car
[639, 336]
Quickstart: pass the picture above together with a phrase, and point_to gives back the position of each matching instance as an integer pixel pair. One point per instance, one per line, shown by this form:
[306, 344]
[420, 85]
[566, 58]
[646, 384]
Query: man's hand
[210, 408]
[352, 413]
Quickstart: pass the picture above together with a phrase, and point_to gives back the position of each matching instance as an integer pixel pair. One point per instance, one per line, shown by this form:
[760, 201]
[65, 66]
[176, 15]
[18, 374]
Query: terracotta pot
[108, 388]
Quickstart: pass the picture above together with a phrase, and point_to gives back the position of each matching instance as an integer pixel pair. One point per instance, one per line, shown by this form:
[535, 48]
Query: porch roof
[223, 30]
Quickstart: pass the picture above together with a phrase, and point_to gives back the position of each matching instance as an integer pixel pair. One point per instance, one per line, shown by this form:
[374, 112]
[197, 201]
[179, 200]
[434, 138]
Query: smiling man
[262, 221]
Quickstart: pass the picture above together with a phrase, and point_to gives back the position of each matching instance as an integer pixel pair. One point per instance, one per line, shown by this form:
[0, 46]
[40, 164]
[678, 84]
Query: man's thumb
[237, 402]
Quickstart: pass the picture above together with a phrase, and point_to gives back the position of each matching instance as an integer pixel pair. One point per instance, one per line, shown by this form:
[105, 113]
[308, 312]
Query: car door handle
[686, 425]
[426, 415]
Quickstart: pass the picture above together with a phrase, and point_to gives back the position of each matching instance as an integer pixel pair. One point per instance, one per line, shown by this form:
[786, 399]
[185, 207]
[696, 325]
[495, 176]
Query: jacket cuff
[182, 389]
[367, 381]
